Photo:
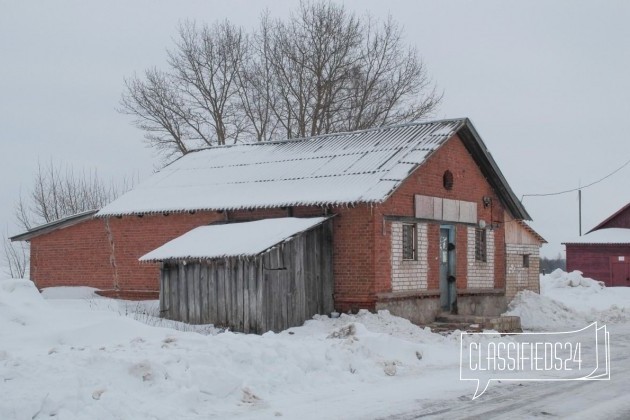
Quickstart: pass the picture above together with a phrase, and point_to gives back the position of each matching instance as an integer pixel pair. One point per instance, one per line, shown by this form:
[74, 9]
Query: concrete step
[472, 323]
[446, 327]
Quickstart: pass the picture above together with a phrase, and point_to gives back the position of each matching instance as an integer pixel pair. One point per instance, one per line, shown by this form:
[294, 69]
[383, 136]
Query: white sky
[545, 83]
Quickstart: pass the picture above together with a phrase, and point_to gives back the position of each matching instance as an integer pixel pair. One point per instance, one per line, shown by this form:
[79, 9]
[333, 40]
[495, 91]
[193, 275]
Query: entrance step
[471, 323]
[447, 327]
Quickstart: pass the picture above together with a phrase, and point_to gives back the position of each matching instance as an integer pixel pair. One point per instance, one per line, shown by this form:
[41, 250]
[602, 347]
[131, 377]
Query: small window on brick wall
[525, 260]
[481, 248]
[409, 242]
[447, 180]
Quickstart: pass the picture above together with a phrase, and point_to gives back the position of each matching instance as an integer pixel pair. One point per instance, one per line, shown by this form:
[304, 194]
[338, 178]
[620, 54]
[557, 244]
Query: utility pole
[580, 210]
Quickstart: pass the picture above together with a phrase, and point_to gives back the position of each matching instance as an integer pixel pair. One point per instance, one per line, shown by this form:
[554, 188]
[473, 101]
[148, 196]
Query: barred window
[409, 242]
[525, 260]
[481, 248]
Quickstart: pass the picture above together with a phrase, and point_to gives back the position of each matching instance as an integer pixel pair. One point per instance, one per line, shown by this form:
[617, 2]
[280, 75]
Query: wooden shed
[256, 276]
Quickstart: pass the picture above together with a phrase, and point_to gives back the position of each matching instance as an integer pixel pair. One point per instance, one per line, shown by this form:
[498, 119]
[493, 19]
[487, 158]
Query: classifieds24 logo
[581, 355]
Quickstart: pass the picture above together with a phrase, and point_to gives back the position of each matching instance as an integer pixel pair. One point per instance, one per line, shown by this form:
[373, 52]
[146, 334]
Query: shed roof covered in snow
[333, 169]
[243, 239]
[608, 236]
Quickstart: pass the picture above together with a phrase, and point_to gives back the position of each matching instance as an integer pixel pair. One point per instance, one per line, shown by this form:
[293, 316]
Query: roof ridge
[335, 134]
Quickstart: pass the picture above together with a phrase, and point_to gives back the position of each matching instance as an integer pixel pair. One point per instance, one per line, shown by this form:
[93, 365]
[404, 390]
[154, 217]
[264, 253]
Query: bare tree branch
[16, 257]
[322, 70]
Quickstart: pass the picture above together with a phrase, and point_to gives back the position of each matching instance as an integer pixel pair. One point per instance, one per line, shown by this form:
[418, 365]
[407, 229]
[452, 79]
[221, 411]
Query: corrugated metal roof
[332, 169]
[343, 168]
[244, 239]
[607, 236]
[52, 226]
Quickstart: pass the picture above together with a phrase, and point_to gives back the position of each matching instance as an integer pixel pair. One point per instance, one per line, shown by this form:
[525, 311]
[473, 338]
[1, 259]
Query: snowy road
[576, 400]
[74, 356]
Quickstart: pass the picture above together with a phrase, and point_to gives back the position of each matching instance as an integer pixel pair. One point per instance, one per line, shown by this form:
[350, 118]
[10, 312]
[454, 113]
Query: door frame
[448, 289]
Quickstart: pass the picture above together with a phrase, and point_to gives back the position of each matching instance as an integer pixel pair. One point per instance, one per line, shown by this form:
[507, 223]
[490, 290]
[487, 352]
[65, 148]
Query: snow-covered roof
[604, 236]
[333, 169]
[232, 240]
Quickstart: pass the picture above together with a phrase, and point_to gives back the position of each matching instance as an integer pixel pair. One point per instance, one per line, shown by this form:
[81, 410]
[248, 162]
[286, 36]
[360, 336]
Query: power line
[579, 188]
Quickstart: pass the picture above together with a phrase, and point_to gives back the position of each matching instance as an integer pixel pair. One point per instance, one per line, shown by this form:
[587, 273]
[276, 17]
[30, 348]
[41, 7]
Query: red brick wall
[103, 253]
[361, 262]
[469, 185]
[76, 255]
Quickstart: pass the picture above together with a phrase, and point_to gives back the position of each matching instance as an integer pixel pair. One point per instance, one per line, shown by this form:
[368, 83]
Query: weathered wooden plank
[221, 303]
[233, 305]
[309, 264]
[203, 293]
[261, 284]
[182, 297]
[315, 236]
[212, 294]
[174, 287]
[196, 284]
[296, 279]
[231, 295]
[239, 295]
[163, 288]
[190, 289]
[246, 285]
[253, 294]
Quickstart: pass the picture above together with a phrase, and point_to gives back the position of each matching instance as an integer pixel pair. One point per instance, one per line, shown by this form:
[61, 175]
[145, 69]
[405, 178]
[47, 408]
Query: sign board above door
[444, 209]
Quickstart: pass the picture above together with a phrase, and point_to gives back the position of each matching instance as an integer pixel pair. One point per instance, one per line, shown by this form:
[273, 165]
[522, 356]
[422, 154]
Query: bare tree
[16, 258]
[198, 102]
[58, 191]
[323, 70]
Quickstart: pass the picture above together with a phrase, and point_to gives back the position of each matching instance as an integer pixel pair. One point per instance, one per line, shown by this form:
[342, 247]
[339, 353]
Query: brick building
[424, 221]
[604, 252]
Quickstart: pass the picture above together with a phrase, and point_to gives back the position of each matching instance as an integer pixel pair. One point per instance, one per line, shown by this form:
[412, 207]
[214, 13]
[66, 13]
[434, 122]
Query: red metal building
[604, 252]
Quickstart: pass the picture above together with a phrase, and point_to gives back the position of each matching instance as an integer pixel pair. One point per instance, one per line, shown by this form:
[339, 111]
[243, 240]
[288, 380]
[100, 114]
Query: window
[525, 260]
[481, 253]
[447, 180]
[409, 242]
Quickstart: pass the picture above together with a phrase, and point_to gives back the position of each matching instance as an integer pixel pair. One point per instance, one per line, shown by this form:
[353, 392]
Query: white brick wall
[409, 275]
[480, 274]
[518, 277]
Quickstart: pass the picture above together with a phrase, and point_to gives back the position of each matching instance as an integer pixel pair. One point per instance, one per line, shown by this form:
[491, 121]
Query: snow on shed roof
[604, 237]
[333, 169]
[232, 240]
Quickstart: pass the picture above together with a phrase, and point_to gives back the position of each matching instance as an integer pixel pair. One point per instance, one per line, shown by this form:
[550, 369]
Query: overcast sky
[545, 83]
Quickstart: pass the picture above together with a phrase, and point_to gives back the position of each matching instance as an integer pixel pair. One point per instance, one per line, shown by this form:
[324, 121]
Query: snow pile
[559, 279]
[569, 300]
[66, 292]
[78, 362]
[540, 313]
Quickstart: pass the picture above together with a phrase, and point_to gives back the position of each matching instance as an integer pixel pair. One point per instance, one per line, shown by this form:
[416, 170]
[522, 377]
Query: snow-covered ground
[69, 354]
[568, 301]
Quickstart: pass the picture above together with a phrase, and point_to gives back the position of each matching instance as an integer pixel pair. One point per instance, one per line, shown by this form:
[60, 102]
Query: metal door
[620, 274]
[448, 288]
